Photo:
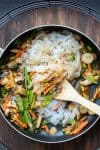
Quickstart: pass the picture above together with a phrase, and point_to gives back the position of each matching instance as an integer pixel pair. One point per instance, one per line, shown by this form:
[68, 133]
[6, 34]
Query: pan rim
[51, 25]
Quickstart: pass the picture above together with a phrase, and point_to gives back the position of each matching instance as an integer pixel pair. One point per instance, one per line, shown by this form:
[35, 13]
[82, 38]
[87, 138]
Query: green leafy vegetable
[82, 88]
[3, 91]
[94, 64]
[72, 121]
[91, 79]
[20, 104]
[12, 58]
[14, 67]
[67, 132]
[27, 78]
[33, 101]
[89, 49]
[34, 122]
[26, 103]
[30, 96]
[44, 122]
[27, 119]
[47, 99]
[72, 56]
[83, 67]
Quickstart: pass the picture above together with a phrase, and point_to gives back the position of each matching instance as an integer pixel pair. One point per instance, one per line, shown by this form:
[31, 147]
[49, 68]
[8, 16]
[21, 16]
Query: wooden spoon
[70, 94]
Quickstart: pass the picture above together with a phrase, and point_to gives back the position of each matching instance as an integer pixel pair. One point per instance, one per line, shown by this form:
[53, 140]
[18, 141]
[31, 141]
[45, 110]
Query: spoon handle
[88, 104]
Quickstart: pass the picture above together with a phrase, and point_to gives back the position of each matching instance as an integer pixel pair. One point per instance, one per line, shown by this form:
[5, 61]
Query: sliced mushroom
[87, 58]
[83, 110]
[53, 130]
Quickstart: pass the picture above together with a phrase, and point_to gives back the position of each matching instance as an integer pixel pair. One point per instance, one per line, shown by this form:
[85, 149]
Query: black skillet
[5, 55]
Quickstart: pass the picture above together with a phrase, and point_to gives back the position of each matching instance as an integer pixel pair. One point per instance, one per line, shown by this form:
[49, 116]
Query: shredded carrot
[80, 127]
[19, 53]
[5, 102]
[16, 119]
[84, 74]
[82, 119]
[48, 87]
[97, 93]
[89, 68]
[32, 73]
[45, 127]
[33, 114]
[57, 106]
[85, 95]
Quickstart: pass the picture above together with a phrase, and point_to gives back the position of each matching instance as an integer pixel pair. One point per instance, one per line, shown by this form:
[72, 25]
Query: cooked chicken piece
[20, 90]
[4, 81]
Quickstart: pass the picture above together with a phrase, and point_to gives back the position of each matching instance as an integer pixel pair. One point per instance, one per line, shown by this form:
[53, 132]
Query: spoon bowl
[70, 94]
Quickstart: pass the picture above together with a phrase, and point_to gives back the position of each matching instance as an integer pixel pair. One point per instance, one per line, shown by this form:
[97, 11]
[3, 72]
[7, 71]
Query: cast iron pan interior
[43, 137]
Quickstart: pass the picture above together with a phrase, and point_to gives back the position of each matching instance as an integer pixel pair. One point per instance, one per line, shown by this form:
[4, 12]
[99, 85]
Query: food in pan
[33, 76]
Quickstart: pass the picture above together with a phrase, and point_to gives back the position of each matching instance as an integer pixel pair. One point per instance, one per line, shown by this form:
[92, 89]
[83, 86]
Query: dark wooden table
[63, 16]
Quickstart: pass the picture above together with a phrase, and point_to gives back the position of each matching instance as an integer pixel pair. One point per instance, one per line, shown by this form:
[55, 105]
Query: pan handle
[1, 51]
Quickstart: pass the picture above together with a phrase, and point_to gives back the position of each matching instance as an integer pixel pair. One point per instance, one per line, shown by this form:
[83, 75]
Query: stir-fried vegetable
[27, 78]
[44, 122]
[3, 91]
[13, 65]
[91, 79]
[72, 56]
[16, 119]
[90, 49]
[72, 121]
[80, 127]
[33, 115]
[6, 100]
[20, 104]
[28, 85]
[84, 67]
[27, 118]
[46, 100]
[45, 127]
[31, 98]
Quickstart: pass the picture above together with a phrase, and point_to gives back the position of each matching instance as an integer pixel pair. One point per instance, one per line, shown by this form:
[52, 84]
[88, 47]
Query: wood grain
[64, 16]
